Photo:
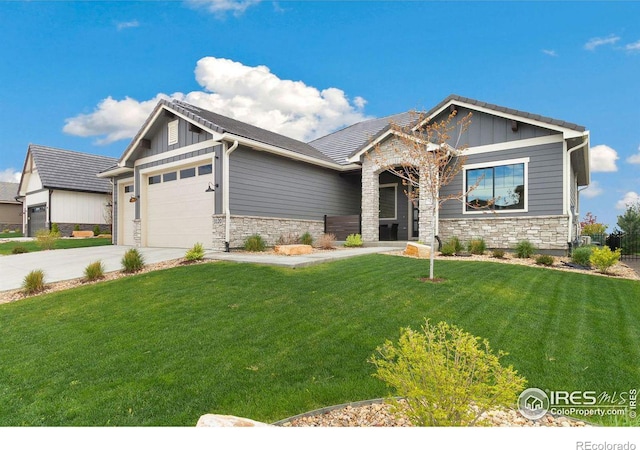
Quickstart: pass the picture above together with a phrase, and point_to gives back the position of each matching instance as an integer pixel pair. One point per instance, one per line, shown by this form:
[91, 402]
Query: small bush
[457, 245]
[326, 241]
[448, 249]
[582, 255]
[19, 249]
[96, 230]
[353, 240]
[525, 249]
[306, 239]
[76, 227]
[94, 271]
[288, 239]
[441, 372]
[46, 239]
[477, 246]
[603, 258]
[544, 260]
[55, 228]
[195, 253]
[498, 253]
[254, 243]
[33, 282]
[132, 261]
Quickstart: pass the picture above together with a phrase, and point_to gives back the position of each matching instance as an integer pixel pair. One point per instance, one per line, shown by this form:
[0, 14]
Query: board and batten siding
[545, 185]
[266, 185]
[160, 137]
[78, 207]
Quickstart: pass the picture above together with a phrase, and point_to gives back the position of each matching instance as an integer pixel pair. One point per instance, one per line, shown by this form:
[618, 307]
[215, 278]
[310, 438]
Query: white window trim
[172, 132]
[395, 201]
[486, 165]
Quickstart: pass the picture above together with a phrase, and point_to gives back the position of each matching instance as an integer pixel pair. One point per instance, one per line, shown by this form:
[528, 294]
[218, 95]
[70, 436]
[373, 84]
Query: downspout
[567, 177]
[225, 197]
[49, 208]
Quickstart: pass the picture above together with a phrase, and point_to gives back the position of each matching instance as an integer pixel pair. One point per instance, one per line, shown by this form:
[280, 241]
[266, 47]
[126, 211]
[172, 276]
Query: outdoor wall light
[133, 199]
[211, 187]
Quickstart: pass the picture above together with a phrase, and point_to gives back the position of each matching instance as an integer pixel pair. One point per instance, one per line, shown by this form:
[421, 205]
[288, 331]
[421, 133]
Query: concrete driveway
[59, 265]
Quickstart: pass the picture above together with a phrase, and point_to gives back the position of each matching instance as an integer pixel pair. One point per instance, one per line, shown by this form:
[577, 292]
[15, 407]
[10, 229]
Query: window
[499, 188]
[155, 179]
[388, 201]
[206, 169]
[188, 173]
[128, 189]
[172, 132]
[170, 176]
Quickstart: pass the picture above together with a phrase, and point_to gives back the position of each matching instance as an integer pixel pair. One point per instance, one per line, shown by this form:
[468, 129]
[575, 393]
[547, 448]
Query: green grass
[9, 235]
[268, 343]
[32, 246]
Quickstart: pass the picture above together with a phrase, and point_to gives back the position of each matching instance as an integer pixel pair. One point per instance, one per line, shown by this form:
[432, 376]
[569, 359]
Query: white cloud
[10, 175]
[593, 190]
[603, 159]
[629, 199]
[221, 7]
[633, 47]
[634, 159]
[550, 52]
[130, 24]
[249, 94]
[593, 43]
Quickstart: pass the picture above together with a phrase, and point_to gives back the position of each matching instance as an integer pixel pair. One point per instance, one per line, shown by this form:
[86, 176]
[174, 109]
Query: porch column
[426, 208]
[370, 201]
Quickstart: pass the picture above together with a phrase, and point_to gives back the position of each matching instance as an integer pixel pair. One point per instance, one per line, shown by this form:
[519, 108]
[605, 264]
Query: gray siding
[266, 185]
[160, 137]
[545, 181]
[486, 129]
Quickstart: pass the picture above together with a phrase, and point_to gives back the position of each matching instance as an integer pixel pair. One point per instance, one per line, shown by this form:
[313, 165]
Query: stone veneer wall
[66, 229]
[545, 232]
[270, 228]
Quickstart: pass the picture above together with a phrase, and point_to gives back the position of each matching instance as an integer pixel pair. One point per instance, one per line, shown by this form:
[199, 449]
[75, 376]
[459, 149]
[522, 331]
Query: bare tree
[431, 156]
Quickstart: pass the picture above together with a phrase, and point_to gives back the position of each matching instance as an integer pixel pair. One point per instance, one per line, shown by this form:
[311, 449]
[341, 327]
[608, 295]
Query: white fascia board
[257, 145]
[356, 158]
[567, 132]
[510, 145]
[115, 172]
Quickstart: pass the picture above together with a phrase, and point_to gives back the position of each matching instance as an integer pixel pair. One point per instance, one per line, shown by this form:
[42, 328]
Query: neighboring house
[61, 186]
[10, 208]
[191, 175]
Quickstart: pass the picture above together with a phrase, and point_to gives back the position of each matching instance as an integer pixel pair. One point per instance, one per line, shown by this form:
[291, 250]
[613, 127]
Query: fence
[628, 242]
[342, 226]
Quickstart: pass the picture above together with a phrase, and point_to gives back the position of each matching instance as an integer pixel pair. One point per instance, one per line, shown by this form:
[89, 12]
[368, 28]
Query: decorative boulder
[294, 249]
[217, 420]
[417, 250]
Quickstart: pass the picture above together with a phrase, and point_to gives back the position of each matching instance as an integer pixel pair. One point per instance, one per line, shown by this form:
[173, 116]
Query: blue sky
[84, 75]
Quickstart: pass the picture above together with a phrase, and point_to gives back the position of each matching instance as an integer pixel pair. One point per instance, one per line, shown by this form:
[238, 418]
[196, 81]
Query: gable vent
[172, 132]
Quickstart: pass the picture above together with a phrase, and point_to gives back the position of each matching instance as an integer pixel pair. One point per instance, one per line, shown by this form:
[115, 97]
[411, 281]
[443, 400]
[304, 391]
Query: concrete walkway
[59, 265]
[296, 261]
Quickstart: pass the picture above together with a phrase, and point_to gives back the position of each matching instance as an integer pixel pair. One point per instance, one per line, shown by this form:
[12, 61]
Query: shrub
[132, 261]
[19, 249]
[326, 241]
[55, 228]
[498, 253]
[306, 239]
[76, 227]
[288, 239]
[254, 243]
[448, 249]
[582, 255]
[353, 240]
[544, 260]
[603, 258]
[46, 240]
[457, 245]
[33, 282]
[441, 372]
[195, 253]
[96, 230]
[477, 246]
[525, 249]
[94, 271]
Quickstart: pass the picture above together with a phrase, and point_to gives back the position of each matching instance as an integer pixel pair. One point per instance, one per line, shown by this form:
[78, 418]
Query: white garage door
[178, 208]
[126, 214]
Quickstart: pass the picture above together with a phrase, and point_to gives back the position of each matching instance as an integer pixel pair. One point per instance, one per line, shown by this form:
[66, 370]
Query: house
[10, 208]
[61, 186]
[191, 175]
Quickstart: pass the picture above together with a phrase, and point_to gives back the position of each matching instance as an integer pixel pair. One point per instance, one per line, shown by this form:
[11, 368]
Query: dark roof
[8, 192]
[223, 124]
[340, 144]
[70, 170]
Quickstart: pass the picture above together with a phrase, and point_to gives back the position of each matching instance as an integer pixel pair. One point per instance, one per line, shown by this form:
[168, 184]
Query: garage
[127, 214]
[37, 219]
[180, 203]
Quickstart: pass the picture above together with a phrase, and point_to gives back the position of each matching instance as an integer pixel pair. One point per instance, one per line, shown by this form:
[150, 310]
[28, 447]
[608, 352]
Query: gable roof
[70, 170]
[8, 192]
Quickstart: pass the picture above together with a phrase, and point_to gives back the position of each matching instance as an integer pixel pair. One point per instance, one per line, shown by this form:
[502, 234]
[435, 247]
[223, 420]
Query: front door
[37, 219]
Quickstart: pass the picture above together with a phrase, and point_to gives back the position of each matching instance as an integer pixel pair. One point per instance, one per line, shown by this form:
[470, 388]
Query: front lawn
[267, 343]
[10, 235]
[6, 248]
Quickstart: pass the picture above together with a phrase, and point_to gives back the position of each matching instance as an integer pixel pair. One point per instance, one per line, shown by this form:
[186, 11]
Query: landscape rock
[217, 420]
[293, 249]
[417, 250]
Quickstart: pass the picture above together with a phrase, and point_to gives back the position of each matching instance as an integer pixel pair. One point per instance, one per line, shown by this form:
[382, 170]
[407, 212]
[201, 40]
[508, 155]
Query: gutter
[225, 194]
